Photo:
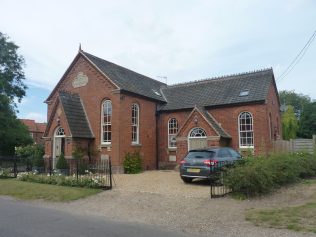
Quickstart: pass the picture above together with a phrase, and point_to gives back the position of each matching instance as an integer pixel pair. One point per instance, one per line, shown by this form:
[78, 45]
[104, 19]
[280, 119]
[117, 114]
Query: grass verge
[297, 218]
[31, 191]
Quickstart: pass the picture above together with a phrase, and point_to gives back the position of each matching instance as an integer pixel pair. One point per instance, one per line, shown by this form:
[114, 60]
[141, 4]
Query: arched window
[106, 134]
[245, 130]
[198, 132]
[172, 132]
[60, 132]
[135, 123]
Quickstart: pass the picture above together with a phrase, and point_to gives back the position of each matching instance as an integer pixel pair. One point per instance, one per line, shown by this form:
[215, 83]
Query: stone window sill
[106, 145]
[136, 144]
[172, 149]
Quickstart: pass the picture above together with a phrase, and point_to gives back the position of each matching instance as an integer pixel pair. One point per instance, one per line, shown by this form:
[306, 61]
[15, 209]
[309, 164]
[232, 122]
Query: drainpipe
[89, 152]
[157, 135]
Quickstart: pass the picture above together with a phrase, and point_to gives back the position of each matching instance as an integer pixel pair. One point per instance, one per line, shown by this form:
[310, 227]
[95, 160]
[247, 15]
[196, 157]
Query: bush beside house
[132, 163]
[260, 175]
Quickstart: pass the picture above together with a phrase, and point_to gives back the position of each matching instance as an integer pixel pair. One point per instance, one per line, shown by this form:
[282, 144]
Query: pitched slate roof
[212, 121]
[219, 91]
[75, 114]
[128, 80]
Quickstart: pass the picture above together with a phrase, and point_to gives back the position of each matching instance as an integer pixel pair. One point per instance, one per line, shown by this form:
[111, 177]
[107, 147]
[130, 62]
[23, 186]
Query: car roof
[213, 149]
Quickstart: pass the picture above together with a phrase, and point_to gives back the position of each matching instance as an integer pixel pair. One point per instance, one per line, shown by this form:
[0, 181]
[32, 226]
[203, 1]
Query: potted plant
[62, 165]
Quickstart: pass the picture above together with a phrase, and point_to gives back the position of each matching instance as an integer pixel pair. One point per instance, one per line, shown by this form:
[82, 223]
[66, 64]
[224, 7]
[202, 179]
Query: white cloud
[184, 40]
[38, 117]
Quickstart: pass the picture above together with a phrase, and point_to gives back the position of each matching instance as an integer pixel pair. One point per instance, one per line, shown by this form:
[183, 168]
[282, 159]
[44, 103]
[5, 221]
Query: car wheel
[187, 180]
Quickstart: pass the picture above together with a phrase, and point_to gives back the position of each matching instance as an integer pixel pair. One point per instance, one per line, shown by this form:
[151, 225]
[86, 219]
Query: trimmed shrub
[132, 163]
[62, 163]
[259, 175]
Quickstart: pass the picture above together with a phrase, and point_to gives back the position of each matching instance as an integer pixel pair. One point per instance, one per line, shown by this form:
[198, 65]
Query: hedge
[259, 175]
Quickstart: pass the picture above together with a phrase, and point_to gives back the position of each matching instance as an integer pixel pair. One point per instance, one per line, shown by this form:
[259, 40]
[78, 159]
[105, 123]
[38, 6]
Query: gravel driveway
[161, 198]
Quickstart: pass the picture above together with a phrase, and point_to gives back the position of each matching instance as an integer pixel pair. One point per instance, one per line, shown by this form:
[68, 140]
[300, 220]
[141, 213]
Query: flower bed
[84, 181]
[6, 173]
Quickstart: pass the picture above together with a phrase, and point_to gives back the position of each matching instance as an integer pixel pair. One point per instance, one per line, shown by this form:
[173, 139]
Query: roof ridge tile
[211, 79]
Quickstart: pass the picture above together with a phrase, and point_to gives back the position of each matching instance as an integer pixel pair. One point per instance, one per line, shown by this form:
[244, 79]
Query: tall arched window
[135, 123]
[245, 130]
[106, 134]
[172, 132]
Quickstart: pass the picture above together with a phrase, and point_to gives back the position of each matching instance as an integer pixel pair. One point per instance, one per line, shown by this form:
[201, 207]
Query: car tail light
[182, 162]
[210, 162]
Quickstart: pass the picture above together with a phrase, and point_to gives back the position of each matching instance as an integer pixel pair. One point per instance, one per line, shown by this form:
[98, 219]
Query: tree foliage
[12, 132]
[289, 123]
[308, 121]
[31, 153]
[298, 101]
[11, 70]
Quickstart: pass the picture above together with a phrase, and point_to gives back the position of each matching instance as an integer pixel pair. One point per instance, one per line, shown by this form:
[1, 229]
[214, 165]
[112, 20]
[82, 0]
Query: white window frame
[172, 132]
[241, 145]
[106, 123]
[201, 133]
[60, 132]
[135, 124]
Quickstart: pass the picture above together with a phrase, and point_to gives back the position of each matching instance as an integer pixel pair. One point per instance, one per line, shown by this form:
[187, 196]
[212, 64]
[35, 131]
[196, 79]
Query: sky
[182, 40]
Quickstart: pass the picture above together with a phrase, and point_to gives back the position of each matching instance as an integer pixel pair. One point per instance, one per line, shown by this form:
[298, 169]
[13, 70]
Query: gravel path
[161, 198]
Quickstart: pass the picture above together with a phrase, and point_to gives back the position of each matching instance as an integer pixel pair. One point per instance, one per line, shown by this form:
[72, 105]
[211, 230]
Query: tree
[12, 132]
[298, 101]
[289, 123]
[308, 121]
[11, 70]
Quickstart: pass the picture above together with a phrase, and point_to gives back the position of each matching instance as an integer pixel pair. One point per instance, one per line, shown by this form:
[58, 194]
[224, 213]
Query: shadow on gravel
[200, 182]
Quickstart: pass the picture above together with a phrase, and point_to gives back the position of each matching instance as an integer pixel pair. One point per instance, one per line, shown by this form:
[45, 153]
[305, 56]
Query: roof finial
[80, 47]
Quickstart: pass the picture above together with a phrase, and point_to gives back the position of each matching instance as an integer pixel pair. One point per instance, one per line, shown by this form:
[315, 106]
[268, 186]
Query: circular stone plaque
[80, 80]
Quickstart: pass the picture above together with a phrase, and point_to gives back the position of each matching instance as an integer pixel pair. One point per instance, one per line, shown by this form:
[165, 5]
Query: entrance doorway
[59, 145]
[197, 139]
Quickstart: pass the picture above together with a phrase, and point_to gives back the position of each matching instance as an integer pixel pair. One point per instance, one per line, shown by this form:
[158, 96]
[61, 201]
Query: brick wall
[98, 89]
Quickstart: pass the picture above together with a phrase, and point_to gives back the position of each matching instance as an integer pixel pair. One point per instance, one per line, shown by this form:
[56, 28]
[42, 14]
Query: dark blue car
[204, 163]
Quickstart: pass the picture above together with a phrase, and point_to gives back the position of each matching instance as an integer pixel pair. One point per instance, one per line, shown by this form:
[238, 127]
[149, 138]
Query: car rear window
[200, 154]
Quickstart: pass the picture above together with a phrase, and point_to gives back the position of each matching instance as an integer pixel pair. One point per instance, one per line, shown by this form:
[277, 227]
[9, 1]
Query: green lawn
[31, 191]
[298, 218]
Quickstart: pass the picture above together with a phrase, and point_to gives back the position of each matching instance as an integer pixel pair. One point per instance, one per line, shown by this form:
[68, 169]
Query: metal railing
[217, 179]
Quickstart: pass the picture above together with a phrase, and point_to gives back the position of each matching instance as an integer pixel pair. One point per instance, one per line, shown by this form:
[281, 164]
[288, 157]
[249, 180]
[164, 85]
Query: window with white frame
[60, 132]
[106, 134]
[245, 122]
[198, 132]
[135, 123]
[172, 132]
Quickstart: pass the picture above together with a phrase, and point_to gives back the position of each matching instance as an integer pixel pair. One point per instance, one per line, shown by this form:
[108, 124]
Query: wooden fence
[295, 145]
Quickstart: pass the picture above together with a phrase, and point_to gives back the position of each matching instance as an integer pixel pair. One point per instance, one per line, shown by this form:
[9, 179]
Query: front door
[197, 139]
[59, 145]
[197, 143]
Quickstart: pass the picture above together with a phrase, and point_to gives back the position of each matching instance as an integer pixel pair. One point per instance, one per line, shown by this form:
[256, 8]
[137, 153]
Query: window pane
[245, 129]
[135, 123]
[106, 121]
[172, 131]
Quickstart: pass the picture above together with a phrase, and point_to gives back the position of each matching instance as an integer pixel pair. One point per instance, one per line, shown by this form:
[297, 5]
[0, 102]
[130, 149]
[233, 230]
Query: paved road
[20, 219]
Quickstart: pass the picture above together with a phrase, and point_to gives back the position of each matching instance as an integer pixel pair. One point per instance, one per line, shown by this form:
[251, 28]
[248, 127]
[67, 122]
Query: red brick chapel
[110, 110]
